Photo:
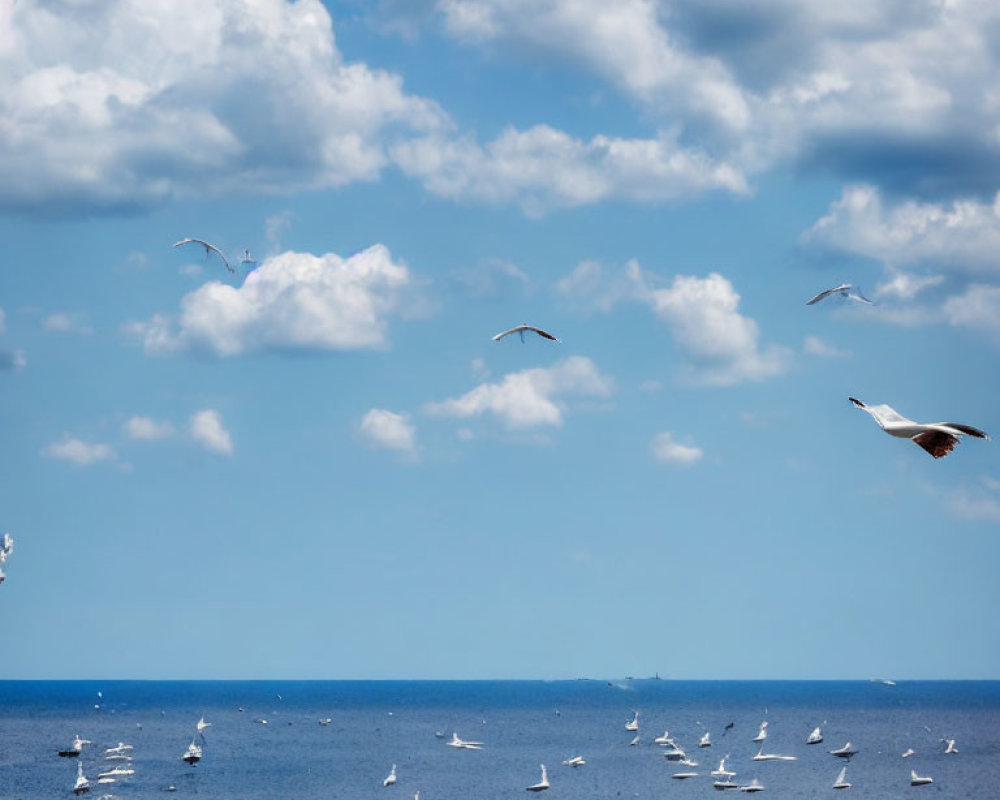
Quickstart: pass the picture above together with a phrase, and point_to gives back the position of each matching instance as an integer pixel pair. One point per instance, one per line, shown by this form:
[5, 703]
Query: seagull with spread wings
[844, 290]
[520, 329]
[937, 438]
[209, 248]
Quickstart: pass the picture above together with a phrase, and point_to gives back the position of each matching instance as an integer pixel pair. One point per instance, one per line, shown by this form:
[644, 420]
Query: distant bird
[919, 780]
[729, 727]
[844, 290]
[520, 329]
[246, 260]
[202, 724]
[390, 779]
[542, 785]
[209, 248]
[937, 438]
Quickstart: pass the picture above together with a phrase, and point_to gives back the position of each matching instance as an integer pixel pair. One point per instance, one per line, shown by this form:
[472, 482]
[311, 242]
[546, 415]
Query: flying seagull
[520, 329]
[844, 290]
[937, 438]
[209, 248]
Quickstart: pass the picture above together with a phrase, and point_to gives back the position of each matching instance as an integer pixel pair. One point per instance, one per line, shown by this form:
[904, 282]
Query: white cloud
[147, 429]
[589, 287]
[667, 450]
[703, 315]
[125, 103]
[292, 301]
[529, 398]
[386, 429]
[78, 452]
[206, 428]
[961, 236]
[3, 320]
[976, 503]
[12, 360]
[276, 225]
[491, 278]
[815, 346]
[543, 168]
[63, 322]
[978, 308]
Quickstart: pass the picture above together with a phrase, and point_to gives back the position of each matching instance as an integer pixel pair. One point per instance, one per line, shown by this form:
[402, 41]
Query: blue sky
[323, 467]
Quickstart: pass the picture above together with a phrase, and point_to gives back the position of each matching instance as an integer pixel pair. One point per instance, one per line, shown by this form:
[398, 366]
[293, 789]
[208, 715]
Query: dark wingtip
[856, 402]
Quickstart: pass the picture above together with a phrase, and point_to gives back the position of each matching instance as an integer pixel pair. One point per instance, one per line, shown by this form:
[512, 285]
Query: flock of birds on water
[120, 767]
[937, 438]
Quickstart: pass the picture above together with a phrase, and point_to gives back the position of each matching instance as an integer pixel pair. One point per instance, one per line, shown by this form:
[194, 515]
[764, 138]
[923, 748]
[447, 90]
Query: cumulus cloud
[64, 322]
[292, 301]
[704, 318]
[961, 236]
[206, 428]
[543, 168]
[125, 103]
[870, 90]
[147, 429]
[382, 428]
[12, 360]
[78, 452]
[531, 397]
[667, 450]
[977, 308]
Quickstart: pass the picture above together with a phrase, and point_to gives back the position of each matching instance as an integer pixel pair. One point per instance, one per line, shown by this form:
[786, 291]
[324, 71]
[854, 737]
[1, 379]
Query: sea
[374, 725]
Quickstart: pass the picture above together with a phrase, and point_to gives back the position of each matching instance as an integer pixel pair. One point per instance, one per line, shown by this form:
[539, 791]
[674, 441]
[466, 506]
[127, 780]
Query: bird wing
[937, 443]
[827, 293]
[540, 332]
[515, 329]
[208, 247]
[857, 295]
[968, 430]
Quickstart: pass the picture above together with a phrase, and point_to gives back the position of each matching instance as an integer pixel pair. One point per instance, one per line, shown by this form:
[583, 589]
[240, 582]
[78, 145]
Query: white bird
[520, 329]
[464, 745]
[937, 438]
[841, 782]
[390, 779]
[633, 724]
[919, 780]
[844, 290]
[202, 724]
[209, 248]
[542, 785]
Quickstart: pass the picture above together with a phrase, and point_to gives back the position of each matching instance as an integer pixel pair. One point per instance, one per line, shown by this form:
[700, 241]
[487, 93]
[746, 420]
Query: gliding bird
[937, 438]
[209, 248]
[520, 329]
[844, 290]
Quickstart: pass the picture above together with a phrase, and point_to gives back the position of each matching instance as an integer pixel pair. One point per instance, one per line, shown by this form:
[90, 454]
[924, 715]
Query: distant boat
[725, 783]
[950, 746]
[75, 748]
[542, 785]
[844, 752]
[325, 720]
[815, 737]
[754, 786]
[761, 734]
[706, 740]
[909, 751]
[119, 749]
[841, 782]
[575, 761]
[675, 754]
[682, 776]
[82, 785]
[464, 745]
[762, 756]
[193, 753]
[919, 780]
[883, 681]
[635, 741]
[390, 779]
[665, 740]
[633, 724]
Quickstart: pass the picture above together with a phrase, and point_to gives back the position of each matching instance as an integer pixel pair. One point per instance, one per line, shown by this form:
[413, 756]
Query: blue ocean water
[375, 724]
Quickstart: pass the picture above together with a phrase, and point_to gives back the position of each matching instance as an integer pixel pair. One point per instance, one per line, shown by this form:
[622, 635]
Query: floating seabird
[844, 290]
[520, 329]
[542, 785]
[919, 780]
[209, 248]
[937, 438]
